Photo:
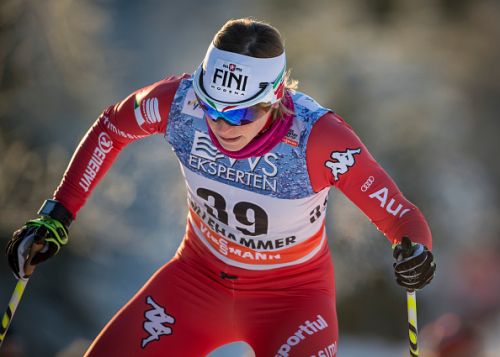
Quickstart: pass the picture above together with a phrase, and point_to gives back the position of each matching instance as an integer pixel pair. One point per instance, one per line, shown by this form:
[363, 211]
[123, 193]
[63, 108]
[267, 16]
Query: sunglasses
[239, 112]
[235, 117]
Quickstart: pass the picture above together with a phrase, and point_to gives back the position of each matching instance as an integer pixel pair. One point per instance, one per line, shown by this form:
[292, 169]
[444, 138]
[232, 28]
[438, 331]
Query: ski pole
[11, 308]
[411, 299]
[18, 292]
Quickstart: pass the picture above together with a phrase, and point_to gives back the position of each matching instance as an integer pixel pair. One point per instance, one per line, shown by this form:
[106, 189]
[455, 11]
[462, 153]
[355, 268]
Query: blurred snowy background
[418, 81]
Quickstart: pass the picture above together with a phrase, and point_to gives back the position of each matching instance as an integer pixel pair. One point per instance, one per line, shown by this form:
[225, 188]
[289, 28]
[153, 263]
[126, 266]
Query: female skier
[259, 159]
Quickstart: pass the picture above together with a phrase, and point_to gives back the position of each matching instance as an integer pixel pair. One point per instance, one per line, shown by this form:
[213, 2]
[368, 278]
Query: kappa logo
[343, 161]
[156, 317]
[146, 111]
[203, 147]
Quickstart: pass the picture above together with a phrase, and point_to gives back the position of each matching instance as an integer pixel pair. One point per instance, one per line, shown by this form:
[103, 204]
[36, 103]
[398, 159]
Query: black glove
[47, 232]
[414, 267]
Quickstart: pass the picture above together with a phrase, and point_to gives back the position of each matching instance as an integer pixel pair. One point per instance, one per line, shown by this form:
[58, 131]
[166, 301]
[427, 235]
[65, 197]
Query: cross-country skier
[259, 159]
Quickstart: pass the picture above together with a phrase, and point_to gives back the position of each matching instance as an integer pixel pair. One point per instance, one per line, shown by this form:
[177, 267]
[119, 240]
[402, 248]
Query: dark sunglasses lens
[233, 117]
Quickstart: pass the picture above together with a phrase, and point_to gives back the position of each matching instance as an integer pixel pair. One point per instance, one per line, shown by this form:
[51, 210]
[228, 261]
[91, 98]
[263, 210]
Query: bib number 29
[253, 218]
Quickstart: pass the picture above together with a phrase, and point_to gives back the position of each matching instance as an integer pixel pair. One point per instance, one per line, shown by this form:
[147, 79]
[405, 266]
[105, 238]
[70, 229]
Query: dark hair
[250, 37]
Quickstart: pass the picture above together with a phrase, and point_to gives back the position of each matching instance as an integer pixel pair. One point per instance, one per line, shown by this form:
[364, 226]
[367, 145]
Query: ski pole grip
[35, 248]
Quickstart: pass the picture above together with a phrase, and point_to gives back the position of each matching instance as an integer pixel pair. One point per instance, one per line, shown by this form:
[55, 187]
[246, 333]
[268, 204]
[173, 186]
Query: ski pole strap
[56, 210]
[412, 322]
[11, 308]
[58, 231]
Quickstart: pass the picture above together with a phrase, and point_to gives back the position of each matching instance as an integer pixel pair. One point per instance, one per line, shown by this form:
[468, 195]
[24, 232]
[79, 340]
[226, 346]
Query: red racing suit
[254, 265]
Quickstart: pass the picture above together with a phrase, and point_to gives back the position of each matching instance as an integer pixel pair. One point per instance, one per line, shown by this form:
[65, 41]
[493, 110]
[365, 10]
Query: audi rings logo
[369, 181]
[105, 142]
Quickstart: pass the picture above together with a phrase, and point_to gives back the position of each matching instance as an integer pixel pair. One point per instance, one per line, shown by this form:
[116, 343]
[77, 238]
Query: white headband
[232, 77]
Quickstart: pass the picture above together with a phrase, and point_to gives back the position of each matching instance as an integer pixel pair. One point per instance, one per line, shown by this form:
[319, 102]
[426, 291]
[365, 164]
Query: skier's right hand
[35, 242]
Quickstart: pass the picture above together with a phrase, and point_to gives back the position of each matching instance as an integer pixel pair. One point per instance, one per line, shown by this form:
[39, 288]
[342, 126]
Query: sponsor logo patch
[367, 184]
[230, 77]
[105, 143]
[328, 351]
[206, 158]
[343, 160]
[204, 148]
[146, 110]
[293, 136]
[155, 320]
[191, 106]
[104, 146]
[112, 128]
[307, 328]
[382, 195]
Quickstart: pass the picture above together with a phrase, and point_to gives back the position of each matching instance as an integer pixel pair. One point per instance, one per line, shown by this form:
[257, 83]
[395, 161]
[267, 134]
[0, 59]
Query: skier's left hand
[414, 267]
